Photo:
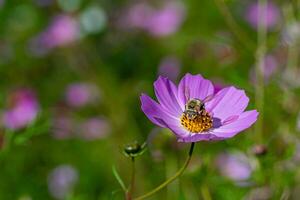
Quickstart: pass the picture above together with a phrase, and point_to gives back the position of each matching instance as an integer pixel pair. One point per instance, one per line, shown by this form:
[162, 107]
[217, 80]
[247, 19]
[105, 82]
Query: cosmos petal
[193, 86]
[199, 137]
[166, 93]
[152, 109]
[156, 113]
[176, 128]
[228, 102]
[245, 120]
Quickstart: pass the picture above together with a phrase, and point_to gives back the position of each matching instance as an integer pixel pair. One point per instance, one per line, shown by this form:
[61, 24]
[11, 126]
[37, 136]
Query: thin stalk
[259, 68]
[171, 179]
[205, 193]
[290, 18]
[131, 187]
[235, 28]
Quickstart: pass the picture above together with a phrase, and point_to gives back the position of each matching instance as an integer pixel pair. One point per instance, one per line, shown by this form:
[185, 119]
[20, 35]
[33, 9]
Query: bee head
[194, 104]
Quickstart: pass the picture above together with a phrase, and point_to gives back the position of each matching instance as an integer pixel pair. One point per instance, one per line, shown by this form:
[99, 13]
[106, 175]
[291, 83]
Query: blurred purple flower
[158, 22]
[23, 109]
[169, 67]
[81, 94]
[2, 3]
[271, 15]
[94, 128]
[63, 127]
[62, 31]
[270, 67]
[61, 181]
[236, 166]
[209, 116]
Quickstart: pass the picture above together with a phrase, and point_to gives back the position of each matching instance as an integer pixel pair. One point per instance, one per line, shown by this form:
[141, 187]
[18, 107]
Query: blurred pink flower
[62, 31]
[23, 110]
[271, 15]
[63, 127]
[2, 3]
[81, 94]
[94, 128]
[169, 67]
[270, 67]
[61, 181]
[158, 22]
[235, 166]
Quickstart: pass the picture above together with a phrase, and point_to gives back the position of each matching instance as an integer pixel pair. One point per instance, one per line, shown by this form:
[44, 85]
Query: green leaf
[119, 179]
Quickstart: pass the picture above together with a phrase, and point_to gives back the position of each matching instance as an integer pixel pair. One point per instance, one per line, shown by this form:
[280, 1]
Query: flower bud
[134, 149]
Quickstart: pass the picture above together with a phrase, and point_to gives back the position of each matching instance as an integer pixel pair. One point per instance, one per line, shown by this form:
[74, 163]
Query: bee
[193, 108]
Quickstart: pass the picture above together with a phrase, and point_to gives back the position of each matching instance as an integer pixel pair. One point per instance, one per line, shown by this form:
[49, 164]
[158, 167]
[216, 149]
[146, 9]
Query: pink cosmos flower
[24, 109]
[193, 112]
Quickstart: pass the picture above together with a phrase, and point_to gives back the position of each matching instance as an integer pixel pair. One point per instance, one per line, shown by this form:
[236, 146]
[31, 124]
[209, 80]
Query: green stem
[171, 179]
[236, 30]
[205, 193]
[259, 69]
[131, 187]
[292, 60]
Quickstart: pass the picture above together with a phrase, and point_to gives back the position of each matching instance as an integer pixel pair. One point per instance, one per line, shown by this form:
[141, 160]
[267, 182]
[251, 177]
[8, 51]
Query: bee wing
[208, 98]
[187, 93]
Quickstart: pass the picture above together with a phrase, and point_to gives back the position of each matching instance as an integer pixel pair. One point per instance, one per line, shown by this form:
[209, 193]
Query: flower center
[200, 122]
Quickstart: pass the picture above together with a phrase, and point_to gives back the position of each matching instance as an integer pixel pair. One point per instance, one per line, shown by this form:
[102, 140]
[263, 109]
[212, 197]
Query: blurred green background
[72, 72]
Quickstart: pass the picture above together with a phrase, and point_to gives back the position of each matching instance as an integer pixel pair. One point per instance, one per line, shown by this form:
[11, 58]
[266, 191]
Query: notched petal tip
[228, 102]
[245, 121]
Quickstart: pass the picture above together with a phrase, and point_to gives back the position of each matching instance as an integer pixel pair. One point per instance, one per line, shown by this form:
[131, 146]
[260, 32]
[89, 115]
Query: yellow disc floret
[200, 123]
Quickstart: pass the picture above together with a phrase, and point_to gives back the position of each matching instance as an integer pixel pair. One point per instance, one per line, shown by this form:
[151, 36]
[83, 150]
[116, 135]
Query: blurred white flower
[291, 33]
[93, 20]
